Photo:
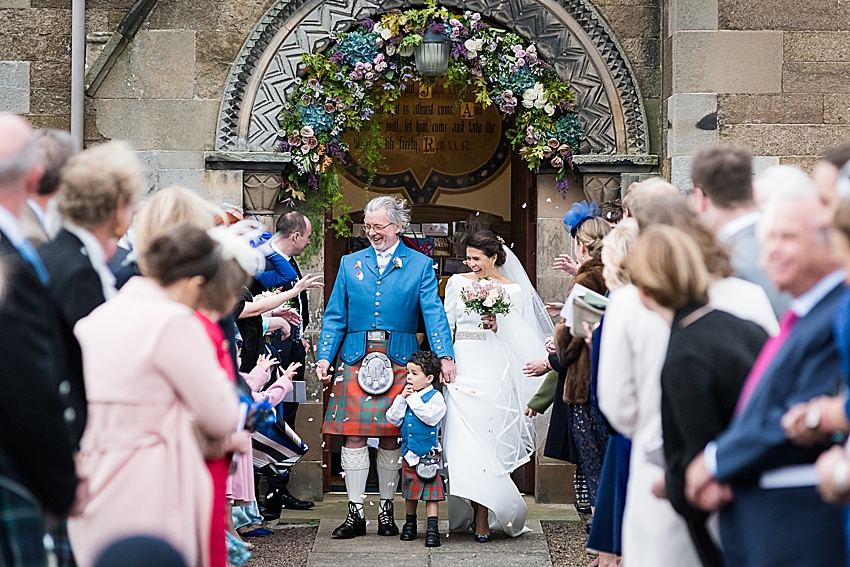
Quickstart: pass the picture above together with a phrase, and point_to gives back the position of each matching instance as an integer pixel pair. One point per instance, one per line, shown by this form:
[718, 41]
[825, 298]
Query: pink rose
[557, 162]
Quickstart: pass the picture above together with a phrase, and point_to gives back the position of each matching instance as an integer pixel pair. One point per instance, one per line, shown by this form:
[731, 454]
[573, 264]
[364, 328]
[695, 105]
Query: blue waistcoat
[415, 435]
[363, 300]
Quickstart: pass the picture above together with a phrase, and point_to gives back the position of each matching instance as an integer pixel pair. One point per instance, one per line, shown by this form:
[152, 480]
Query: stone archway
[570, 34]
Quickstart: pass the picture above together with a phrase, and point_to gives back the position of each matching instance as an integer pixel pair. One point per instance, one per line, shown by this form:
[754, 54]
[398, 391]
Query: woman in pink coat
[154, 387]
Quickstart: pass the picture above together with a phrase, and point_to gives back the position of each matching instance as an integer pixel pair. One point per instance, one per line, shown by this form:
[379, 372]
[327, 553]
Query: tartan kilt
[351, 411]
[414, 488]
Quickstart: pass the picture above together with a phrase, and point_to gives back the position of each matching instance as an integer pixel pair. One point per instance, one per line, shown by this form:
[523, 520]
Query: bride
[486, 435]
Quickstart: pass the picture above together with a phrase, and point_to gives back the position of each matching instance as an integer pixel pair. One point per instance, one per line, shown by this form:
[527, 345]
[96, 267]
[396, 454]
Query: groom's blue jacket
[363, 300]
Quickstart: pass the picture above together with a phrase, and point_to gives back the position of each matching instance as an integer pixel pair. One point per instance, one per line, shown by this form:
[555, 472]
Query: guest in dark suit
[769, 518]
[36, 450]
[292, 237]
[709, 356]
[723, 198]
[98, 189]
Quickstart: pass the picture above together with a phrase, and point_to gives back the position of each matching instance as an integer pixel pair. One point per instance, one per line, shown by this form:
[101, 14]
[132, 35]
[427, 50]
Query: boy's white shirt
[429, 413]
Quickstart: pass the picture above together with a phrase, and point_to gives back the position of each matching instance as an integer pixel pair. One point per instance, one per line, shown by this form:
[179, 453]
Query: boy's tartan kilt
[414, 488]
[351, 411]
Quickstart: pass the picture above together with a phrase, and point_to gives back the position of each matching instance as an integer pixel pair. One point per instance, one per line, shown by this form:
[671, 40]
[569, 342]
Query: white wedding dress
[485, 433]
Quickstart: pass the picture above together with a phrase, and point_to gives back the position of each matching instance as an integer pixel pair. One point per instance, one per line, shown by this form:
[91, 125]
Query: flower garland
[367, 69]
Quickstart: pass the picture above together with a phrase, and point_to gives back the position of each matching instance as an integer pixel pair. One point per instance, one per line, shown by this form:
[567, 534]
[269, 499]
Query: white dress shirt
[385, 256]
[428, 413]
[735, 226]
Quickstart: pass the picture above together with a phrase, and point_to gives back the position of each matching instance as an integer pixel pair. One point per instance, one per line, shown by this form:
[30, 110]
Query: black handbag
[428, 466]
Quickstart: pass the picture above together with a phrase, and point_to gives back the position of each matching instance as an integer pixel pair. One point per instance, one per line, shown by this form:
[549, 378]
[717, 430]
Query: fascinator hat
[579, 213]
[235, 244]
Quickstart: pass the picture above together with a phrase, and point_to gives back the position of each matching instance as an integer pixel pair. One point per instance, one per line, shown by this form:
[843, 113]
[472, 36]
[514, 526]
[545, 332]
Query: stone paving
[528, 550]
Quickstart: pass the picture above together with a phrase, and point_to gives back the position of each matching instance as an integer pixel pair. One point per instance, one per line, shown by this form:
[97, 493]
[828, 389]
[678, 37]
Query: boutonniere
[357, 265]
[359, 275]
[397, 263]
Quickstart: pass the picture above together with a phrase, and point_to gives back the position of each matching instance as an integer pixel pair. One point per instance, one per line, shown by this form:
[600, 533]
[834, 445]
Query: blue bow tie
[30, 255]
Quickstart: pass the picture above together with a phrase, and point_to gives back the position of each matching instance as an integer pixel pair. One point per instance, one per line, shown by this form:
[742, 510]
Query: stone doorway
[570, 34]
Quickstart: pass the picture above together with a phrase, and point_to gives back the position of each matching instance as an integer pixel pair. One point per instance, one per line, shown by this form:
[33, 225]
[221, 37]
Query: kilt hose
[351, 411]
[414, 488]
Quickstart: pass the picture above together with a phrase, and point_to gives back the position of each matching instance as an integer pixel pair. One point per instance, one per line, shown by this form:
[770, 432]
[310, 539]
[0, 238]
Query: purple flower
[458, 51]
[335, 152]
[283, 146]
[367, 112]
[530, 141]
[313, 182]
[368, 24]
[438, 27]
[356, 75]
[563, 186]
[338, 58]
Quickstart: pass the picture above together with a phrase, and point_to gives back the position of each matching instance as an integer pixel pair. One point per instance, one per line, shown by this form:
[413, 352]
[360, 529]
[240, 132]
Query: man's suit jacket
[74, 284]
[787, 527]
[32, 228]
[33, 433]
[364, 299]
[746, 251]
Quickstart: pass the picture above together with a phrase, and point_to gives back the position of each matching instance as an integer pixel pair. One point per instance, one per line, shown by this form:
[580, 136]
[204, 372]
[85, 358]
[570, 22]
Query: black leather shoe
[408, 531]
[432, 538]
[386, 519]
[353, 525]
[292, 503]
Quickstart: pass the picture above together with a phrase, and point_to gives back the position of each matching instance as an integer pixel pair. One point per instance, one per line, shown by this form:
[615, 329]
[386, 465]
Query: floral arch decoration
[370, 65]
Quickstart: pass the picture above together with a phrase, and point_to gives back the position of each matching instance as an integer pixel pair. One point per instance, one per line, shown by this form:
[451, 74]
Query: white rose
[406, 51]
[390, 50]
[549, 109]
[386, 33]
[528, 103]
[306, 132]
[540, 103]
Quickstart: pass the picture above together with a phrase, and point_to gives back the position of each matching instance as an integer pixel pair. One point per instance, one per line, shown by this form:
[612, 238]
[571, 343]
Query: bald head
[20, 163]
[18, 151]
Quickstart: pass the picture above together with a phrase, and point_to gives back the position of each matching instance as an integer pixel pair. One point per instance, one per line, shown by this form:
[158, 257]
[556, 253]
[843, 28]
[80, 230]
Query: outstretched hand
[310, 281]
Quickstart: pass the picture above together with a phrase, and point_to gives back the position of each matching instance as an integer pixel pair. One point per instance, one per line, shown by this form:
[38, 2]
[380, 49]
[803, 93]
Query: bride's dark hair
[488, 242]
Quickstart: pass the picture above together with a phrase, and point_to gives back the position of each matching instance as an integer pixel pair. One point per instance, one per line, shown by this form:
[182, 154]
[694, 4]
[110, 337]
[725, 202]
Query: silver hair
[779, 185]
[397, 209]
[15, 167]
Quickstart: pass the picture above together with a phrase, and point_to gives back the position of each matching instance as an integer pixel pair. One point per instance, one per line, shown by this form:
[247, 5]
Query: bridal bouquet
[486, 296]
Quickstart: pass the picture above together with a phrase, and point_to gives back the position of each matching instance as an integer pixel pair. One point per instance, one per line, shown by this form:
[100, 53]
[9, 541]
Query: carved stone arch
[570, 34]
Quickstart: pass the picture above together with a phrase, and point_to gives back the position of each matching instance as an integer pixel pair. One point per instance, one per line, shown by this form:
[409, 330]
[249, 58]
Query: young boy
[418, 411]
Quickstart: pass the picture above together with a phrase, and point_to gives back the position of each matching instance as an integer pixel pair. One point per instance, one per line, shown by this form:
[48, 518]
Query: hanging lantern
[432, 55]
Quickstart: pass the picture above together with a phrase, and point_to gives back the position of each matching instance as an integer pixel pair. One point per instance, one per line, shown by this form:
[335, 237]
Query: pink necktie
[768, 352]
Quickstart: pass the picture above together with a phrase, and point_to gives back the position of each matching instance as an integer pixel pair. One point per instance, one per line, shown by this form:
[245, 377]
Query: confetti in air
[524, 205]
[310, 419]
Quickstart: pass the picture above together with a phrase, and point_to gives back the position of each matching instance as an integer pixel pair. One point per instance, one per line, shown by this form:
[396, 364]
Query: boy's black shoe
[432, 536]
[353, 525]
[408, 530]
[386, 519]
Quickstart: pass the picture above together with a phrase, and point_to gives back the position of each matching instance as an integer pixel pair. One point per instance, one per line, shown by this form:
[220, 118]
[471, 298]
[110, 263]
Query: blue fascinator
[579, 213]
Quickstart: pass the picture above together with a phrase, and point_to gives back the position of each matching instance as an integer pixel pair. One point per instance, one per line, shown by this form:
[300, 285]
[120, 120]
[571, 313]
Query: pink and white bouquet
[486, 296]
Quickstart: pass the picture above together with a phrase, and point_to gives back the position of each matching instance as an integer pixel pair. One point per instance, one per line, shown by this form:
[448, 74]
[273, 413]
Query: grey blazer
[746, 249]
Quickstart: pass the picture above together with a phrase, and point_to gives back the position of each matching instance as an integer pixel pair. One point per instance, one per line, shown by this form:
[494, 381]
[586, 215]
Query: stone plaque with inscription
[431, 144]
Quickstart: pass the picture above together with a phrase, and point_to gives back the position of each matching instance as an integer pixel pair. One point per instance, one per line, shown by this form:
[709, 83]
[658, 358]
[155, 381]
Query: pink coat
[151, 375]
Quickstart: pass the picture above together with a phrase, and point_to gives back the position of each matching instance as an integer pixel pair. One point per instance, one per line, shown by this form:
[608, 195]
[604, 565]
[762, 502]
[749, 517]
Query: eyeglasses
[376, 228]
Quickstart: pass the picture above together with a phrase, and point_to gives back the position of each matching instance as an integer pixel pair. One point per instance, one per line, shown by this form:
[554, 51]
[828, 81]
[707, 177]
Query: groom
[370, 326]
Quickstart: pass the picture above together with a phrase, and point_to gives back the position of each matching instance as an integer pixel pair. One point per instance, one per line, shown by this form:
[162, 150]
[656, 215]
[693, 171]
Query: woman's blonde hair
[94, 183]
[615, 249]
[169, 207]
[590, 233]
[668, 266]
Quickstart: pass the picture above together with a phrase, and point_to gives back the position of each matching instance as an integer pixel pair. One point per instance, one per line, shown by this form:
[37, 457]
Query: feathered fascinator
[579, 213]
[235, 244]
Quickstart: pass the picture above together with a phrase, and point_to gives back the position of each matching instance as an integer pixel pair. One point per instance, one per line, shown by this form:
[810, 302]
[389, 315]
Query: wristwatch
[447, 358]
